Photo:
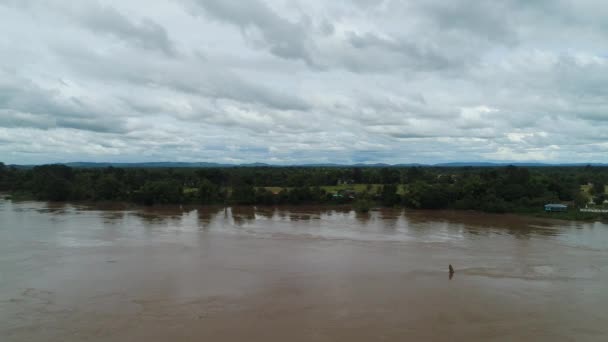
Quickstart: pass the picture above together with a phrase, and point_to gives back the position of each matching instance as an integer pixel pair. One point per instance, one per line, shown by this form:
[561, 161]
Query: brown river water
[81, 273]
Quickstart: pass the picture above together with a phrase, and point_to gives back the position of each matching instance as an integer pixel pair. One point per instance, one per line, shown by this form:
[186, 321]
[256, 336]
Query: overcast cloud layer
[302, 81]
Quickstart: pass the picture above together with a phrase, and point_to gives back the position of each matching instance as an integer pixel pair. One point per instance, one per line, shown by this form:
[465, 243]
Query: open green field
[358, 188]
[587, 188]
[274, 189]
[355, 187]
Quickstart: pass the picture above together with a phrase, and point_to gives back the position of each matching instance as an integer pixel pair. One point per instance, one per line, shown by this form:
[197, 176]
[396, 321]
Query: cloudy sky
[301, 81]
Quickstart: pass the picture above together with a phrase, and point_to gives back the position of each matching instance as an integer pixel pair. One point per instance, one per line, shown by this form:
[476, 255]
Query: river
[83, 273]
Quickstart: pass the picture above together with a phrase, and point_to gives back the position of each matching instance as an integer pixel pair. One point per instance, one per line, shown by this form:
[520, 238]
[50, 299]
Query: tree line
[492, 189]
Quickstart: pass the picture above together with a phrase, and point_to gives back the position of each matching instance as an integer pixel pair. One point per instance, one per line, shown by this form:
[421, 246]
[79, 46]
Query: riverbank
[571, 215]
[497, 190]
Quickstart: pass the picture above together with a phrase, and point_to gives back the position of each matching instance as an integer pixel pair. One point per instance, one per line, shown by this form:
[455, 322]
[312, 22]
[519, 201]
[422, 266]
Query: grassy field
[274, 189]
[355, 187]
[361, 188]
[358, 188]
[587, 188]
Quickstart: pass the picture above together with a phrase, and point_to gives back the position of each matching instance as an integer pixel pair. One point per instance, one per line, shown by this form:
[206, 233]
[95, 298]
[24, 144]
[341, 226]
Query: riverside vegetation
[489, 189]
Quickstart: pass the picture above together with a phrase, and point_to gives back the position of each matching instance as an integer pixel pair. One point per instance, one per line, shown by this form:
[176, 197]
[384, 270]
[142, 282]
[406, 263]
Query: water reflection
[363, 218]
[54, 208]
[151, 218]
[266, 212]
[392, 219]
[205, 215]
[113, 217]
[328, 222]
[242, 215]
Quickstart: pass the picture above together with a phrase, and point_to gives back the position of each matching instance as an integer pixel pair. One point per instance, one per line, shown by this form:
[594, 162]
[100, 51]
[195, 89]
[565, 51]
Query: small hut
[555, 207]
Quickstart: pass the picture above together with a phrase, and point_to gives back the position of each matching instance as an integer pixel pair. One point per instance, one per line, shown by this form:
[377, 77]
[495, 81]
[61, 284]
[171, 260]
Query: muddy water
[76, 273]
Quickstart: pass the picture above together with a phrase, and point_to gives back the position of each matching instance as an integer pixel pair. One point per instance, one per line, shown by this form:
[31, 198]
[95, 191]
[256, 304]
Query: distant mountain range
[524, 164]
[220, 165]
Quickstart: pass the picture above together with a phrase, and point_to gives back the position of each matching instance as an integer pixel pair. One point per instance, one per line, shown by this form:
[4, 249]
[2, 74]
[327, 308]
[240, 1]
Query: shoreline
[571, 216]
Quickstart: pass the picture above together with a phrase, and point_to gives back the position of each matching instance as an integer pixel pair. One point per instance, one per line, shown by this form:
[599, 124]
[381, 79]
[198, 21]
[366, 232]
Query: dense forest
[491, 189]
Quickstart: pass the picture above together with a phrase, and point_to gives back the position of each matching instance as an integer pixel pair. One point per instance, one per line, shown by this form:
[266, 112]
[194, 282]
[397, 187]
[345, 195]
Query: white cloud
[303, 81]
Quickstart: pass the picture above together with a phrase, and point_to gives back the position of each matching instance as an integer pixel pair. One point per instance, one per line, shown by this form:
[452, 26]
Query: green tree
[108, 188]
[161, 192]
[265, 196]
[56, 189]
[598, 188]
[580, 199]
[243, 194]
[389, 196]
[208, 193]
[83, 187]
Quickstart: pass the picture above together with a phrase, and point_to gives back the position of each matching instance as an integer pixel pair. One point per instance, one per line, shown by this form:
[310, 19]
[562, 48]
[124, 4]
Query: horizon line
[360, 164]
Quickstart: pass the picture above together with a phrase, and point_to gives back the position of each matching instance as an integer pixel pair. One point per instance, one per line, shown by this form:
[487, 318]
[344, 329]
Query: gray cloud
[188, 75]
[264, 26]
[303, 81]
[485, 20]
[11, 119]
[24, 104]
[147, 33]
[395, 53]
